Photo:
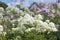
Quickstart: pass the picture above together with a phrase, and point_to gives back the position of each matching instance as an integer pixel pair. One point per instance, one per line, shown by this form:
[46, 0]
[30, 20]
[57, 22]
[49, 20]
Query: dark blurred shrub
[4, 5]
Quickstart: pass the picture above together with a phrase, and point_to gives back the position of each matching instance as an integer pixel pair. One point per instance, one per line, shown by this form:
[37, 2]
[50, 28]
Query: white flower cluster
[29, 29]
[27, 19]
[39, 17]
[1, 15]
[45, 26]
[40, 26]
[11, 10]
[1, 10]
[1, 29]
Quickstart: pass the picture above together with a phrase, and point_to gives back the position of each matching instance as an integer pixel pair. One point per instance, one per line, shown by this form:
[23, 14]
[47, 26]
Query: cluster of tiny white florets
[1, 9]
[40, 25]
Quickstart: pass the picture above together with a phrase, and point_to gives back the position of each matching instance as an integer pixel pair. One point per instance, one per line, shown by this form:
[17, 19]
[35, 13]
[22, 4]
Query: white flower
[47, 21]
[4, 33]
[21, 12]
[1, 15]
[45, 25]
[15, 29]
[53, 11]
[27, 19]
[38, 17]
[9, 8]
[38, 29]
[41, 27]
[54, 29]
[39, 22]
[29, 29]
[51, 24]
[32, 28]
[13, 24]
[1, 9]
[1, 29]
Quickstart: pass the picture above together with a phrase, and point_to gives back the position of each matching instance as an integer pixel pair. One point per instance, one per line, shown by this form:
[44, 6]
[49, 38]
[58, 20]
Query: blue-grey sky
[26, 3]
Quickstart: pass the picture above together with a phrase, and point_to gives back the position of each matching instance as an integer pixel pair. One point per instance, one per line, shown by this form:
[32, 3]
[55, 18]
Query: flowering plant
[16, 24]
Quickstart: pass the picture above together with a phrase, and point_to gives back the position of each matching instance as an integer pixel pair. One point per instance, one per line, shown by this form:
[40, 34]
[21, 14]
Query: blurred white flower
[1, 9]
[1, 29]
[53, 11]
[47, 21]
[27, 19]
[32, 28]
[53, 27]
[51, 24]
[9, 8]
[38, 17]
[4, 33]
[29, 29]
[15, 29]
[39, 22]
[46, 25]
[1, 15]
[21, 12]
[40, 26]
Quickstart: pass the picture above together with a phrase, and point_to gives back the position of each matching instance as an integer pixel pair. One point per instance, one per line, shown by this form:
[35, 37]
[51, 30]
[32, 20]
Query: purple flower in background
[51, 15]
[45, 10]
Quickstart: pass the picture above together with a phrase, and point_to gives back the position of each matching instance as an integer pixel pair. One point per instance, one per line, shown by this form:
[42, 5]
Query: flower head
[1, 9]
[1, 29]
[51, 15]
